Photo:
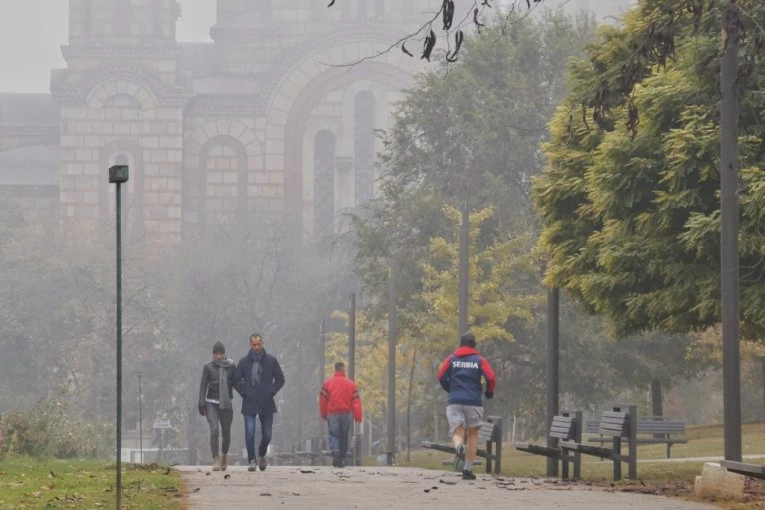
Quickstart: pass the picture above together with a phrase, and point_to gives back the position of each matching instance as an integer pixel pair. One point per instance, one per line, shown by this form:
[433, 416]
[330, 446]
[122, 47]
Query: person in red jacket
[338, 401]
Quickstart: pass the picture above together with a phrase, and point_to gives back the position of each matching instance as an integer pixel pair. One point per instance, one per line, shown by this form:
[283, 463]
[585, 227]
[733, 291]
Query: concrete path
[373, 488]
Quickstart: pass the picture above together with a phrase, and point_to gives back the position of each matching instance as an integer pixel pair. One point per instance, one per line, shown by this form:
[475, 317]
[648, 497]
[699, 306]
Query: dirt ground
[308, 487]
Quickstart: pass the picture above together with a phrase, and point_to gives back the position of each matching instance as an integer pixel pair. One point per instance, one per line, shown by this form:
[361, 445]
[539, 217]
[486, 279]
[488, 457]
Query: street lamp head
[118, 174]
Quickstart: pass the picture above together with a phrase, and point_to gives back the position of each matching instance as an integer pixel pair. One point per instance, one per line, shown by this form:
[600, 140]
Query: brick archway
[295, 123]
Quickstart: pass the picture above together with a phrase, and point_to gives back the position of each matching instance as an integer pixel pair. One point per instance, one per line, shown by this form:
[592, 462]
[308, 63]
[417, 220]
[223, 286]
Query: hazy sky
[33, 31]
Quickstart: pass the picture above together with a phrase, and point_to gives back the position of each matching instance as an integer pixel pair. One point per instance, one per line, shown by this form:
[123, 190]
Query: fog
[252, 169]
[37, 31]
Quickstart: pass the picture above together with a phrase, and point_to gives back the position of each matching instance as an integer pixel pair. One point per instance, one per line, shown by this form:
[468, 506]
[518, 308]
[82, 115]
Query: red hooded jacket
[339, 395]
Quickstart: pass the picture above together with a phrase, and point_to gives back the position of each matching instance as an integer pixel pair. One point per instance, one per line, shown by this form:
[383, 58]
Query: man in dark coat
[257, 379]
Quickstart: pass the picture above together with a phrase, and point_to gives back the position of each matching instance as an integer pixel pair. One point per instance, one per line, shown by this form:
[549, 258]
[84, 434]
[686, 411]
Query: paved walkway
[377, 488]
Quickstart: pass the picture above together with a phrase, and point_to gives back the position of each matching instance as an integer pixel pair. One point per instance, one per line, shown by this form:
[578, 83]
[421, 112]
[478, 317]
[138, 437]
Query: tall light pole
[729, 274]
[118, 174]
[553, 367]
[352, 338]
[140, 418]
[391, 426]
[464, 269]
[322, 364]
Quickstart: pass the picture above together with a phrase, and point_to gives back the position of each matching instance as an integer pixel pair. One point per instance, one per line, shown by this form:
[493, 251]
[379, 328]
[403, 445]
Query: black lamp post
[391, 423]
[117, 175]
[140, 418]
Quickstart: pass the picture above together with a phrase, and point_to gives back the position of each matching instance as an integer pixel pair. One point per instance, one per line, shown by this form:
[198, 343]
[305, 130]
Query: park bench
[660, 429]
[490, 434]
[313, 451]
[564, 427]
[751, 470]
[618, 424]
[354, 457]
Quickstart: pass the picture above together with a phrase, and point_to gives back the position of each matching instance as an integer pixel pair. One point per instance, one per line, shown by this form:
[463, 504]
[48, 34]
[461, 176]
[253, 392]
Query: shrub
[46, 430]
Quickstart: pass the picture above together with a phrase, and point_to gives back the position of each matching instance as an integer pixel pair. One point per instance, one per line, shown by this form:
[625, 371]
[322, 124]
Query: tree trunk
[762, 361]
[657, 401]
[409, 407]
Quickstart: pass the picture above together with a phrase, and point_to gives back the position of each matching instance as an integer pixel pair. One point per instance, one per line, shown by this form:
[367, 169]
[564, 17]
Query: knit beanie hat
[467, 339]
[219, 347]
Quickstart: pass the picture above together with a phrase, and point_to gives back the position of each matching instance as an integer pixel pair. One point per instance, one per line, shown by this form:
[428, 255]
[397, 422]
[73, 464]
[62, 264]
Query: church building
[266, 122]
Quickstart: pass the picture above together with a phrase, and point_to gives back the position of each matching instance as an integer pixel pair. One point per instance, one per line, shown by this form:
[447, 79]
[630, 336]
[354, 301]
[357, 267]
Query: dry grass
[656, 475]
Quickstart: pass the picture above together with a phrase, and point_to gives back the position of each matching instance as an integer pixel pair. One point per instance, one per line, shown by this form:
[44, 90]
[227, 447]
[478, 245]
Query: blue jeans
[266, 424]
[339, 426]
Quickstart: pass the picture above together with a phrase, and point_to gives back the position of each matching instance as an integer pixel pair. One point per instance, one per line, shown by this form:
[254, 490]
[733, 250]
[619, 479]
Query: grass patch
[31, 483]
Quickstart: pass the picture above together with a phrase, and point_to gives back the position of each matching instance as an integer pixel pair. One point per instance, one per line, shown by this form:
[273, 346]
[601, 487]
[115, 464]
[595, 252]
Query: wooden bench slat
[538, 449]
[659, 440]
[752, 470]
[596, 451]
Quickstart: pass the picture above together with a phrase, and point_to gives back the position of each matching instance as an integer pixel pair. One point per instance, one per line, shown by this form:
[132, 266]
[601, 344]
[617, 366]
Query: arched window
[122, 107]
[364, 146]
[223, 181]
[362, 6]
[122, 17]
[159, 20]
[324, 183]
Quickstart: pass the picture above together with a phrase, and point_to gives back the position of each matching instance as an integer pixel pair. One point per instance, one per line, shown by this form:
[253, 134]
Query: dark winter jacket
[461, 373]
[210, 386]
[259, 397]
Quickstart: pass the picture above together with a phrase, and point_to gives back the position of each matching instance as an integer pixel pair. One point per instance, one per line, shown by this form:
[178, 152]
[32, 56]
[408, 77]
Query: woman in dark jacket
[215, 397]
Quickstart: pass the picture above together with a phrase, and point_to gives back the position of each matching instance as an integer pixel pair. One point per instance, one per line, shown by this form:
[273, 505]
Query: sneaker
[467, 475]
[252, 465]
[216, 463]
[223, 462]
[459, 458]
[262, 464]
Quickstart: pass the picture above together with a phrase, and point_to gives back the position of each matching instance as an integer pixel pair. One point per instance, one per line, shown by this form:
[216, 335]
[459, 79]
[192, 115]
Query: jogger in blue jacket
[461, 375]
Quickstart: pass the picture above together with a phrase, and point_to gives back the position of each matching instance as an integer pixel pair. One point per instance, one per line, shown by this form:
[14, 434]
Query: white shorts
[465, 416]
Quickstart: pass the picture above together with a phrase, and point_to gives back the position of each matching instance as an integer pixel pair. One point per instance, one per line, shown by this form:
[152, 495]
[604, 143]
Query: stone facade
[266, 122]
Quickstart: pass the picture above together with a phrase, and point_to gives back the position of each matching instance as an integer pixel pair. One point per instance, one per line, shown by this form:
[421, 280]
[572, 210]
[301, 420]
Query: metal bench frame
[566, 426]
[489, 433]
[617, 424]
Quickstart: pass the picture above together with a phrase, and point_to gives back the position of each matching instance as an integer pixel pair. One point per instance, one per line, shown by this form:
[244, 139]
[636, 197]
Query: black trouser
[216, 415]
